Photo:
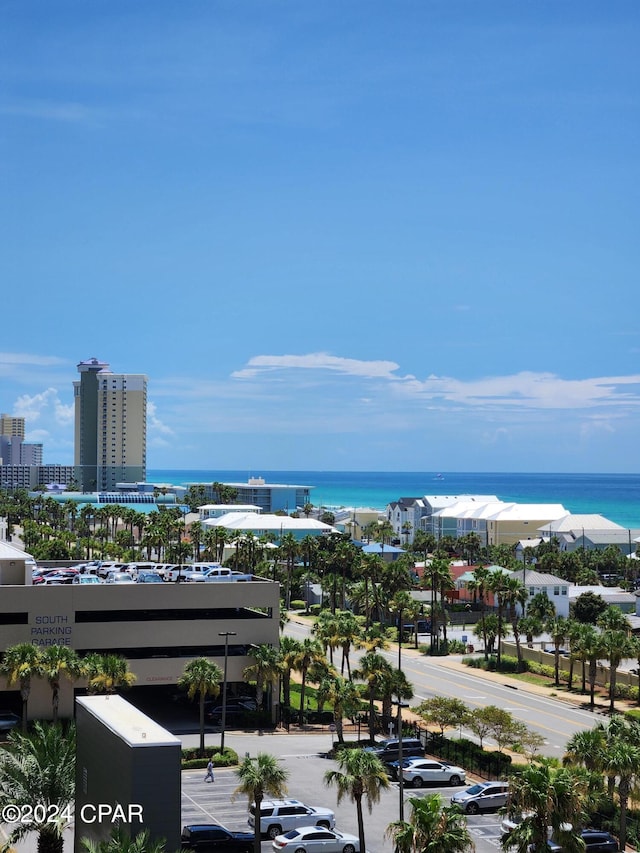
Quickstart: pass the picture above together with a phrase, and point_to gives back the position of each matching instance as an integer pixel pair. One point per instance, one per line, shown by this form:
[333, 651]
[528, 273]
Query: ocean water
[616, 496]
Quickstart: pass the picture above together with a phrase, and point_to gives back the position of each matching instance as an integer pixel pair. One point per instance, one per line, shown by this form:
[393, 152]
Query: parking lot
[303, 757]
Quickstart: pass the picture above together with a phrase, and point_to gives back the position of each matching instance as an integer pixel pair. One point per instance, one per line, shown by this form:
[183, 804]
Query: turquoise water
[616, 496]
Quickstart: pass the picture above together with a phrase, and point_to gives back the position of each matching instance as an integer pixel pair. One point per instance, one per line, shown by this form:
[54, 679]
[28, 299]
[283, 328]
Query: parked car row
[294, 826]
[113, 572]
[290, 824]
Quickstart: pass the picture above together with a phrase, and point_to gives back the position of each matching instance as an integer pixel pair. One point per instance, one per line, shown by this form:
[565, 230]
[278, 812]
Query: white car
[430, 772]
[119, 578]
[316, 839]
[281, 816]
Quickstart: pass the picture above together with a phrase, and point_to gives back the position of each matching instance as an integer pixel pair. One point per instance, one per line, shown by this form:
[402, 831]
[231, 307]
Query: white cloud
[155, 425]
[9, 360]
[525, 390]
[318, 361]
[46, 404]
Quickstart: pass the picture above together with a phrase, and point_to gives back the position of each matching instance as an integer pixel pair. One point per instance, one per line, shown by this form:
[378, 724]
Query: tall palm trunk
[358, 801]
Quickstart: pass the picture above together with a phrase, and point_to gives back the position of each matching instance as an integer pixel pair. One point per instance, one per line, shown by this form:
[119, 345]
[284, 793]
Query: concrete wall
[124, 758]
[79, 617]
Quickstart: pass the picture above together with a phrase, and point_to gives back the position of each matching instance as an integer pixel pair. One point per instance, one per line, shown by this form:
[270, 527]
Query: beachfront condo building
[110, 427]
[11, 426]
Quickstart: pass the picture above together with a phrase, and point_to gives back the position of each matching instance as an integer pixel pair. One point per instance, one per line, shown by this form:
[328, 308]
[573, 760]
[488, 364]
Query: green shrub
[456, 647]
[541, 669]
[625, 691]
[315, 609]
[298, 604]
[191, 757]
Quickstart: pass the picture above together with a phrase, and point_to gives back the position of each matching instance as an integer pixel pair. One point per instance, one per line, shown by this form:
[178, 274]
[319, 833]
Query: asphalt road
[555, 720]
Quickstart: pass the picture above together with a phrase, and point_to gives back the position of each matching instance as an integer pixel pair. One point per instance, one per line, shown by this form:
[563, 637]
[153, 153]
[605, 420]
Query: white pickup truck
[220, 573]
[188, 571]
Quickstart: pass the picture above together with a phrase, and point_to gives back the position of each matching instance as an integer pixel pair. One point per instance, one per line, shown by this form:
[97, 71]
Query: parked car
[431, 772]
[8, 721]
[86, 580]
[61, 576]
[212, 836]
[394, 766]
[234, 710]
[509, 823]
[315, 839]
[595, 841]
[388, 750]
[119, 578]
[280, 816]
[148, 577]
[105, 568]
[482, 797]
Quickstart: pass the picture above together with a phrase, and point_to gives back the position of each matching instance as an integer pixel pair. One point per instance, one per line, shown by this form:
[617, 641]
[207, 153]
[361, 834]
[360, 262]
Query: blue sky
[337, 235]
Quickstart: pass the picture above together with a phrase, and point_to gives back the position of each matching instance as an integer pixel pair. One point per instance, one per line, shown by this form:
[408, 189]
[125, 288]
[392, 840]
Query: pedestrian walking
[209, 777]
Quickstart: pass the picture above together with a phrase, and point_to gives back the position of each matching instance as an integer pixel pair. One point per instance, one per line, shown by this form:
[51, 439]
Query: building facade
[158, 628]
[11, 426]
[268, 497]
[110, 427]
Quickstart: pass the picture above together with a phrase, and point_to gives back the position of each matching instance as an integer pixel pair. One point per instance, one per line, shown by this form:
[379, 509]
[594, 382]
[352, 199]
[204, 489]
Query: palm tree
[120, 842]
[590, 650]
[38, 770]
[515, 598]
[59, 662]
[264, 671]
[497, 585]
[309, 653]
[616, 645]
[558, 627]
[259, 776]
[373, 670]
[22, 663]
[612, 749]
[289, 651]
[344, 697]
[432, 828]
[107, 673]
[548, 796]
[289, 549]
[201, 678]
[326, 630]
[349, 631]
[479, 585]
[361, 776]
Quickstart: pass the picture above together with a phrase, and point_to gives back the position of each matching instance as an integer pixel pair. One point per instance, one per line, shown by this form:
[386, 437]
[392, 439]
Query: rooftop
[134, 727]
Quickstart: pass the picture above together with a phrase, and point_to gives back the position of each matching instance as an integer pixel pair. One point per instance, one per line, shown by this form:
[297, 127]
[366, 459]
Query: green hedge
[508, 663]
[191, 757]
[541, 669]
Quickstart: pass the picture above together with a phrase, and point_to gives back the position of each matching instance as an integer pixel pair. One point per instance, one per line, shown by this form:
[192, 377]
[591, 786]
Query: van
[389, 750]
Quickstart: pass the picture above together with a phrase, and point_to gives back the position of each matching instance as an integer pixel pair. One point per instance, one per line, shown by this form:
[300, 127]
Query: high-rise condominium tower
[11, 426]
[110, 427]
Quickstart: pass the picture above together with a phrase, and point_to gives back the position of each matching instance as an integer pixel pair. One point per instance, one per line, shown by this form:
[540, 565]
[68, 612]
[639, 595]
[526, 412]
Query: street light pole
[226, 635]
[400, 705]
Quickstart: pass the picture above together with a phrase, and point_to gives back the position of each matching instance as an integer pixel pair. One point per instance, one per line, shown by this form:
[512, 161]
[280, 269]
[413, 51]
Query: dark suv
[212, 836]
[388, 750]
[595, 841]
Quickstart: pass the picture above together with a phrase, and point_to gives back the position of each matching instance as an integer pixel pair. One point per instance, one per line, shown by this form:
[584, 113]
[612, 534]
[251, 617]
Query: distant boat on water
[439, 477]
